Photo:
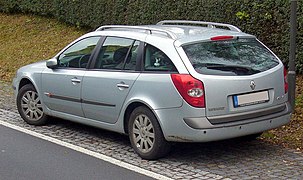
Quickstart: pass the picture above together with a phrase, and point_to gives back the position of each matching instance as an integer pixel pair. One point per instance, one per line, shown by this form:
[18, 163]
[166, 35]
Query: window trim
[127, 54]
[97, 49]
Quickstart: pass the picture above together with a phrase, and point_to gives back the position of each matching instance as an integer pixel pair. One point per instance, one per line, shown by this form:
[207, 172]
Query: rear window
[230, 57]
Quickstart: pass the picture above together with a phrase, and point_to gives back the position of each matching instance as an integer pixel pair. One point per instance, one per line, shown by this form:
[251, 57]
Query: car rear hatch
[242, 78]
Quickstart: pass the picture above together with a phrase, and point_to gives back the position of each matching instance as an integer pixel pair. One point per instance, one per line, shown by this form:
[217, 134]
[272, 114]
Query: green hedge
[268, 20]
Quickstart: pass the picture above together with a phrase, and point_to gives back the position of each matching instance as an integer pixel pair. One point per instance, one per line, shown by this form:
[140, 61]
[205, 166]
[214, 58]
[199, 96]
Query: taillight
[191, 89]
[219, 38]
[285, 81]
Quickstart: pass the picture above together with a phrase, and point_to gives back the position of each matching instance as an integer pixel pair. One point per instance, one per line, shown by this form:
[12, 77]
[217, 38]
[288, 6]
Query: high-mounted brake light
[285, 81]
[219, 38]
[191, 89]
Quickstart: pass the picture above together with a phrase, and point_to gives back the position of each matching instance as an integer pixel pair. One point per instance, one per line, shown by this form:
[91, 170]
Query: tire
[30, 107]
[145, 134]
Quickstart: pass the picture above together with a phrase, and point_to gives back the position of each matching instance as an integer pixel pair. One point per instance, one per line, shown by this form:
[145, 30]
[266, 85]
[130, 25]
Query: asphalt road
[23, 156]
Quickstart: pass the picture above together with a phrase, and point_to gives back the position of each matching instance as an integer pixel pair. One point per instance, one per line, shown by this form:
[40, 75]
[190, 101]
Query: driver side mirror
[52, 63]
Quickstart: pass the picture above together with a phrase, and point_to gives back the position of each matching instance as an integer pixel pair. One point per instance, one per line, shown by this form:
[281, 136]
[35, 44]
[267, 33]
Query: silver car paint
[107, 90]
[31, 72]
[155, 90]
[219, 89]
[175, 129]
[59, 83]
[164, 100]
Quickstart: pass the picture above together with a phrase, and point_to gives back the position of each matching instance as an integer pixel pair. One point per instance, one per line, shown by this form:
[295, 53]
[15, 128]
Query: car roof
[187, 34]
[183, 32]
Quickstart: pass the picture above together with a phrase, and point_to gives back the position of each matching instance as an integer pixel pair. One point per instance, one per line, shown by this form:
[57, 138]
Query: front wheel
[30, 107]
[145, 134]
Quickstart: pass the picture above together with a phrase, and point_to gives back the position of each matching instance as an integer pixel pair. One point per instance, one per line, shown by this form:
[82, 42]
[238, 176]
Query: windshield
[231, 57]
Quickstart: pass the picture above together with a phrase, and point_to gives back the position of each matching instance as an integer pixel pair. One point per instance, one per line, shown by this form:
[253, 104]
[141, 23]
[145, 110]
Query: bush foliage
[268, 20]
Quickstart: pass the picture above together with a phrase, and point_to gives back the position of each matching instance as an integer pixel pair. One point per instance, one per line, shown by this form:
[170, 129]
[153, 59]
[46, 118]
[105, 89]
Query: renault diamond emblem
[252, 85]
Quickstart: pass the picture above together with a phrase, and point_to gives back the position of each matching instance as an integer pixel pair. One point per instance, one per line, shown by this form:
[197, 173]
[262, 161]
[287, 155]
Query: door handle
[122, 85]
[75, 80]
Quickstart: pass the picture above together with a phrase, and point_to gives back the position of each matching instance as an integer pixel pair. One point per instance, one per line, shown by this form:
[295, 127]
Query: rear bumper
[176, 129]
[242, 118]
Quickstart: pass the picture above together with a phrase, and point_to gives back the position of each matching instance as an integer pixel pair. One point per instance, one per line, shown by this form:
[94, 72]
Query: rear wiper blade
[233, 68]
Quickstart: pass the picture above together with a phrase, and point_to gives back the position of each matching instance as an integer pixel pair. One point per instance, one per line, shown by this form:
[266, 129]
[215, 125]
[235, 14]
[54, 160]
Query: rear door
[108, 82]
[239, 75]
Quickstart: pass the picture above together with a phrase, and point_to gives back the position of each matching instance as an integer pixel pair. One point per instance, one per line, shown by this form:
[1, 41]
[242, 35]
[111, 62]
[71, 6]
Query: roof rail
[149, 29]
[209, 24]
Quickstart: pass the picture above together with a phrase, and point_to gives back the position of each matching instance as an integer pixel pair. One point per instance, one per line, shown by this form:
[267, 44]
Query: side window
[117, 53]
[78, 54]
[156, 60]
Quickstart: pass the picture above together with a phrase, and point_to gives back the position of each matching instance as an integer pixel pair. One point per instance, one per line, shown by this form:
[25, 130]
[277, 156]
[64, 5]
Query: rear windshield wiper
[240, 70]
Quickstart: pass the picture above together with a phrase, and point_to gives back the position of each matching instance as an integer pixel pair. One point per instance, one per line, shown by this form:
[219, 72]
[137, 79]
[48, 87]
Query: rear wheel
[30, 107]
[145, 134]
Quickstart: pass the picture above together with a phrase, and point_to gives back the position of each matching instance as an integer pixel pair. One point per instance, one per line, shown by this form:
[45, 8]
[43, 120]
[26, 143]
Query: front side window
[117, 54]
[78, 54]
[230, 57]
[157, 60]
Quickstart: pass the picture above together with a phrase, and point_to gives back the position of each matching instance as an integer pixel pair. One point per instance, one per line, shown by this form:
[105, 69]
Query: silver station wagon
[182, 81]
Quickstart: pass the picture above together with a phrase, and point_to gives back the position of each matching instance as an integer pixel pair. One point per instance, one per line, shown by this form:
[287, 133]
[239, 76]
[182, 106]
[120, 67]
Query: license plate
[250, 99]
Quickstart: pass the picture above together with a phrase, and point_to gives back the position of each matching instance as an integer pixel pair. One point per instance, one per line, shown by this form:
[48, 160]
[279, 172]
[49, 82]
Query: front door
[62, 89]
[61, 86]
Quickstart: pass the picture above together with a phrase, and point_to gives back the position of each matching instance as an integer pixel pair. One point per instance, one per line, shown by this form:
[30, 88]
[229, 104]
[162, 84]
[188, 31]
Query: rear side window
[157, 60]
[231, 57]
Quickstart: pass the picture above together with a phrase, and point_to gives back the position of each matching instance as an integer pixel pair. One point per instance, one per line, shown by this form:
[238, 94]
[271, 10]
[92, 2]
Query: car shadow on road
[235, 158]
[233, 150]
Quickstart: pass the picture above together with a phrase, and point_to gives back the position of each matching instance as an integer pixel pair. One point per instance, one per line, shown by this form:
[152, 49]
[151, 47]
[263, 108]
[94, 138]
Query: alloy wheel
[31, 105]
[143, 133]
